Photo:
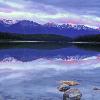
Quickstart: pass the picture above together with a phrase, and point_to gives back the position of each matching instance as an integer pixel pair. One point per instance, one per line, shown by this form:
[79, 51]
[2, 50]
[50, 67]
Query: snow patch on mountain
[31, 23]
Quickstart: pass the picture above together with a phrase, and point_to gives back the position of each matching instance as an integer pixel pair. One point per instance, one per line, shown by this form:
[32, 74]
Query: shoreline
[49, 42]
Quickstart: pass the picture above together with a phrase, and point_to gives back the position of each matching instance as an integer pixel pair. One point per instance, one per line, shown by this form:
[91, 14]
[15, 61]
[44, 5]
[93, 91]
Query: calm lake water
[34, 71]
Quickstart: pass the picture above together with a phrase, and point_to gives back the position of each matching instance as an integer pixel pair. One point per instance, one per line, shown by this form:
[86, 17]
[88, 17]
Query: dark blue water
[34, 74]
[28, 54]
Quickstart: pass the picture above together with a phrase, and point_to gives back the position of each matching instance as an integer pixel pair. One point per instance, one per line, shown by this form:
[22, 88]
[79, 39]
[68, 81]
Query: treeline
[47, 37]
[8, 37]
[88, 38]
[33, 37]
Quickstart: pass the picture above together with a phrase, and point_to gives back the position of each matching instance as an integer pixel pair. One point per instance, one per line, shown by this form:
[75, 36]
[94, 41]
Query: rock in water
[72, 94]
[70, 83]
[63, 88]
[96, 89]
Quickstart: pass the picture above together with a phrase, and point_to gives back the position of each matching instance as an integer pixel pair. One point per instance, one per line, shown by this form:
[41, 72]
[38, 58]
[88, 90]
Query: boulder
[63, 88]
[72, 94]
[70, 83]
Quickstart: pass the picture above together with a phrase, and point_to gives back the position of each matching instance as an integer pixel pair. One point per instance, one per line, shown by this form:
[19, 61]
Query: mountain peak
[30, 27]
[27, 23]
[7, 21]
[50, 24]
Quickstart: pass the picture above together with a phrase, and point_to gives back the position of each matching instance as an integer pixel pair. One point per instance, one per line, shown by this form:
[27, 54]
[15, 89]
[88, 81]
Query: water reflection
[89, 47]
[31, 51]
[50, 45]
[35, 45]
[31, 75]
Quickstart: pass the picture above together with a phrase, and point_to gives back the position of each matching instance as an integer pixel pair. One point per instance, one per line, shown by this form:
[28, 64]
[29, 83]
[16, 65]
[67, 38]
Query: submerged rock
[63, 88]
[70, 83]
[72, 94]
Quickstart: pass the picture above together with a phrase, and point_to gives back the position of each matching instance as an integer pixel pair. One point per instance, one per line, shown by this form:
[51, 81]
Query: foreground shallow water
[38, 79]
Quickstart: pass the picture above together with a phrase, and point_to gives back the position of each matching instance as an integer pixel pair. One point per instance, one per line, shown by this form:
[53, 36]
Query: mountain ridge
[30, 27]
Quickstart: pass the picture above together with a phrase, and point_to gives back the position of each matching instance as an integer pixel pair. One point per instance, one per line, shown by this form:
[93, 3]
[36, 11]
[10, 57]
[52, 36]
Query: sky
[86, 12]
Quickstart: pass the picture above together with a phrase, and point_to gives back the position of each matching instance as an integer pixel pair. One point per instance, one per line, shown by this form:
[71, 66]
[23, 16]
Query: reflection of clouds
[38, 79]
[49, 64]
[11, 69]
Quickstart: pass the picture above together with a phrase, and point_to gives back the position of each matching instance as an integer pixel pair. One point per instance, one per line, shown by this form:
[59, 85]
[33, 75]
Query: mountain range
[30, 27]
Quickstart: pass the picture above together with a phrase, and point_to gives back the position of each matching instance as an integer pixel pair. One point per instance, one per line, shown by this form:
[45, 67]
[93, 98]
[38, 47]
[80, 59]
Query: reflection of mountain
[30, 27]
[37, 45]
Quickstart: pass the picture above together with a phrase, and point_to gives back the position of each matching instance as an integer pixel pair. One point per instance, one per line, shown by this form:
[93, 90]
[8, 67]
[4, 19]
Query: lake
[33, 71]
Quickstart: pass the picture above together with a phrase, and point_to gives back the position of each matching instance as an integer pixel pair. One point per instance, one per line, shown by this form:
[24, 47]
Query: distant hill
[30, 27]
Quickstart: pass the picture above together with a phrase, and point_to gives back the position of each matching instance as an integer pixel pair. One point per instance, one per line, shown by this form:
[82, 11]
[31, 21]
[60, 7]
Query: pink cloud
[6, 10]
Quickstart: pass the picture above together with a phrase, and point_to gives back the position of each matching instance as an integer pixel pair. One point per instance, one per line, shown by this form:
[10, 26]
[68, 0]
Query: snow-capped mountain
[9, 22]
[77, 27]
[30, 27]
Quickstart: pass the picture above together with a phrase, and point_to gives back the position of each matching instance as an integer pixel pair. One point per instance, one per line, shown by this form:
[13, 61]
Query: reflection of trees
[35, 45]
[50, 45]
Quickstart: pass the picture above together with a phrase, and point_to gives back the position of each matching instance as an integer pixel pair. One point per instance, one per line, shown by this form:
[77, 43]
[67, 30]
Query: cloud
[58, 11]
[78, 6]
[9, 6]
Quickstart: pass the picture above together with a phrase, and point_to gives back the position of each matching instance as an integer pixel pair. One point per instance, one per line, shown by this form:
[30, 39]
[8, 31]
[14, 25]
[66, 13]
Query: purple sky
[85, 12]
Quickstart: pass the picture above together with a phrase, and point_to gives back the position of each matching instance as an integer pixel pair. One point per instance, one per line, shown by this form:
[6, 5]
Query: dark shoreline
[50, 45]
